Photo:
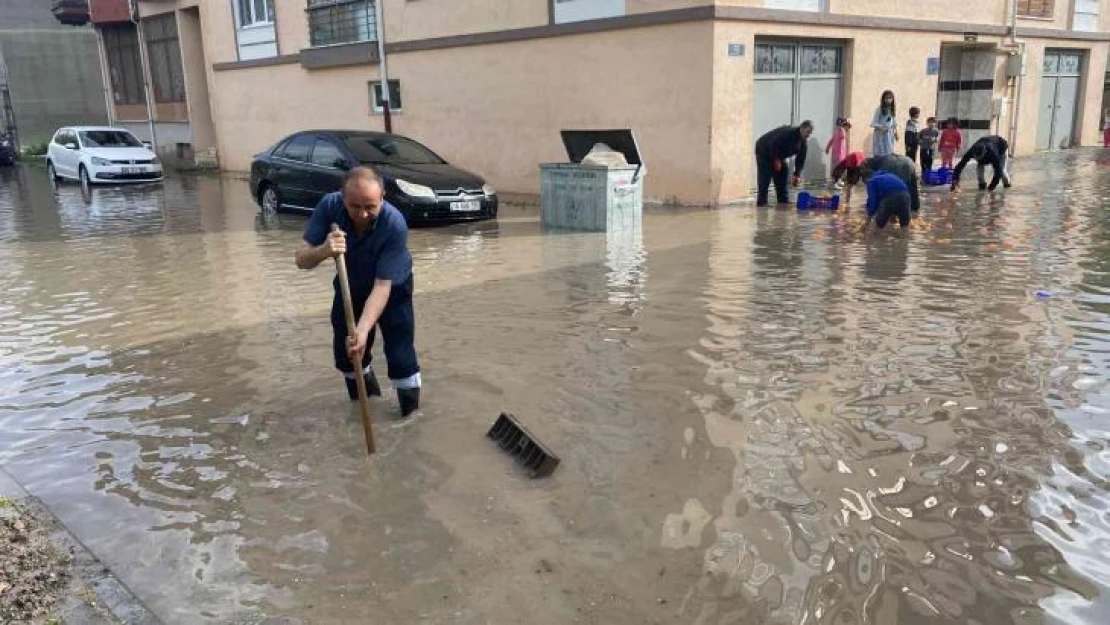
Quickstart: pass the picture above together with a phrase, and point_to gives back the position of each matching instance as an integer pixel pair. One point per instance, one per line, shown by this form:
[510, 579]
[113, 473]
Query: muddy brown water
[763, 417]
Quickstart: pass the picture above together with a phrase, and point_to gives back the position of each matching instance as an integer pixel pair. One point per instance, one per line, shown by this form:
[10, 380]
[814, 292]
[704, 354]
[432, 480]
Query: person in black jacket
[990, 150]
[771, 152]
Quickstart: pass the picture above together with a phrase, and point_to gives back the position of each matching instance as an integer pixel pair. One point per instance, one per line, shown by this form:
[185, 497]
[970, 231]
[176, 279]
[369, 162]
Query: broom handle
[360, 381]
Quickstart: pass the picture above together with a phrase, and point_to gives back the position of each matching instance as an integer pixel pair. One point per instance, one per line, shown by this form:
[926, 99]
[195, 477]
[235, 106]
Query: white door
[65, 160]
[796, 81]
[1067, 97]
[1059, 98]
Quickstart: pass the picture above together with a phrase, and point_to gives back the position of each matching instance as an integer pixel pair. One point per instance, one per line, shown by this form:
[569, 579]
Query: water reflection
[764, 417]
[892, 439]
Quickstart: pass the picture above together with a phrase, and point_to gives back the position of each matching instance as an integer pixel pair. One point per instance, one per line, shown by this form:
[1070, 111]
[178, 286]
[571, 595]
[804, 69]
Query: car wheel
[271, 201]
[84, 173]
[51, 173]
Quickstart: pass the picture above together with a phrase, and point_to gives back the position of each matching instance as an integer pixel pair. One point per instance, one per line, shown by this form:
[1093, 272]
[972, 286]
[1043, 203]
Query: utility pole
[382, 70]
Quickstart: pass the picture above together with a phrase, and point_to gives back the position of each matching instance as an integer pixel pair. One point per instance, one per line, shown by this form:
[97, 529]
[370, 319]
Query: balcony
[70, 12]
[109, 11]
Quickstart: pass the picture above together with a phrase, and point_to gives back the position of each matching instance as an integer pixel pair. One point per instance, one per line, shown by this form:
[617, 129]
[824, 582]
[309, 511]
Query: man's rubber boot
[409, 399]
[372, 387]
[982, 186]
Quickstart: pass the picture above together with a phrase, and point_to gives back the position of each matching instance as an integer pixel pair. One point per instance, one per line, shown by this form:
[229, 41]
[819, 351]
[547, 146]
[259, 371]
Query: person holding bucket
[772, 150]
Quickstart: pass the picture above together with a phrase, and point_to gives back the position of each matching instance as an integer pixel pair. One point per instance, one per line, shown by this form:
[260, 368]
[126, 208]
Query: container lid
[579, 143]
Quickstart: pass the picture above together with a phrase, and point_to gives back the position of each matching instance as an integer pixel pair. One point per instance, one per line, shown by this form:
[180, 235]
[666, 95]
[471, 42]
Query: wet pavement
[763, 416]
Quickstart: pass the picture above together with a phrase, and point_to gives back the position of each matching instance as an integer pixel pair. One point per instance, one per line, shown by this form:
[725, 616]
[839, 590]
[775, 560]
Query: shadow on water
[764, 416]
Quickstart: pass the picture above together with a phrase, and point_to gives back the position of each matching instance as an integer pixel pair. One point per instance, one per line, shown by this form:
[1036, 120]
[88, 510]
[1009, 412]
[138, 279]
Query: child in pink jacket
[837, 147]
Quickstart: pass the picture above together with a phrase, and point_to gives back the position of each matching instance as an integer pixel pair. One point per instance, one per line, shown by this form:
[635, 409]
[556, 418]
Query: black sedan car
[301, 168]
[7, 150]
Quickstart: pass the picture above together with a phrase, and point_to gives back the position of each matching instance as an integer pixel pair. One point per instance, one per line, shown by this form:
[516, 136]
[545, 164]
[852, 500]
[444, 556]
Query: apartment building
[489, 83]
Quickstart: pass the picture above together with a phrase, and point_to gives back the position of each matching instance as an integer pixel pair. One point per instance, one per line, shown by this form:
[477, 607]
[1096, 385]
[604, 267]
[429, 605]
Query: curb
[97, 597]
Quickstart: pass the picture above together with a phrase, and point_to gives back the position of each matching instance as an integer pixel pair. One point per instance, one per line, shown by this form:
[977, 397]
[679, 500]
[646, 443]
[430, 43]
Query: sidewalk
[85, 591]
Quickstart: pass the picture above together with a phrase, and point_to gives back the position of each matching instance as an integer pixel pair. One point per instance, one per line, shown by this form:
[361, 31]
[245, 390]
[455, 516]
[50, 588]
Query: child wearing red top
[950, 142]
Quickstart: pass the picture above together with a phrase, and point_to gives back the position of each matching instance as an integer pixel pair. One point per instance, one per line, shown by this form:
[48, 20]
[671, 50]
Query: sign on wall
[932, 66]
[582, 10]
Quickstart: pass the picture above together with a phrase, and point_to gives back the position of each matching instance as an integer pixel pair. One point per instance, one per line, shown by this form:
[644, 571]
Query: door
[325, 175]
[965, 89]
[1059, 98]
[66, 160]
[291, 171]
[796, 81]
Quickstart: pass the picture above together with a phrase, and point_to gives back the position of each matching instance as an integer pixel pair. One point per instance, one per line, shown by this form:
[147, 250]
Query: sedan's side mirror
[147, 145]
[341, 163]
[71, 146]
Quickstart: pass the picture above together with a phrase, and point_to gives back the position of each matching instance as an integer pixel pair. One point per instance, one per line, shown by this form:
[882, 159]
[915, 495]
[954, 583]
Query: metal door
[796, 81]
[965, 89]
[1059, 99]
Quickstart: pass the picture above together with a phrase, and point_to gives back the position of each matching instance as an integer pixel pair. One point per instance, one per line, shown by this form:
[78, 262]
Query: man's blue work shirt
[381, 253]
[881, 185]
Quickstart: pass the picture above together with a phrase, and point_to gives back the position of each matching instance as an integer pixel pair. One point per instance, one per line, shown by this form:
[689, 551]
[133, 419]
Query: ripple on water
[894, 430]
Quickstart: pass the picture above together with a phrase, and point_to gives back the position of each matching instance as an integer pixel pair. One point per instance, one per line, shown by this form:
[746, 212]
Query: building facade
[158, 76]
[489, 84]
[50, 74]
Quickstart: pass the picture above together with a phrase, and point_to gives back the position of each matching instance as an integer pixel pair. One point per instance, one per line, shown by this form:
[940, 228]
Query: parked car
[301, 168]
[94, 154]
[7, 150]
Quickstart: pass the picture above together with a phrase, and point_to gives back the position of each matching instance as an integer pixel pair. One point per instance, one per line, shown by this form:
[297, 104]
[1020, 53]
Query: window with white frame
[377, 102]
[1085, 17]
[252, 12]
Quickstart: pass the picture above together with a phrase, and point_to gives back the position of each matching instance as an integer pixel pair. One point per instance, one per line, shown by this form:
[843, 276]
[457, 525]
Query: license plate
[466, 207]
[132, 170]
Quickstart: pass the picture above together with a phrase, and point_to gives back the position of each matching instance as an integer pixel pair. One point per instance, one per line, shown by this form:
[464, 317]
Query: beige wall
[972, 11]
[196, 78]
[872, 65]
[497, 108]
[131, 112]
[472, 115]
[291, 27]
[218, 24]
[1061, 18]
[406, 20]
[1087, 118]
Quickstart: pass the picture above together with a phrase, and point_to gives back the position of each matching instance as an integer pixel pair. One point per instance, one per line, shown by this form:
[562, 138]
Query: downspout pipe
[382, 69]
[1020, 46]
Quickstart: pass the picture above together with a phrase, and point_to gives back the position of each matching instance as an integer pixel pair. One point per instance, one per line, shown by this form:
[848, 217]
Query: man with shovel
[373, 237]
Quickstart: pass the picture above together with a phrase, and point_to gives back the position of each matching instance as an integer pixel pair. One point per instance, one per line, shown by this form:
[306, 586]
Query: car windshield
[109, 139]
[392, 150]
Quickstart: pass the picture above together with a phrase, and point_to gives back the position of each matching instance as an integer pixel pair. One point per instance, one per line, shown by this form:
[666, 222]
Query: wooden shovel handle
[360, 381]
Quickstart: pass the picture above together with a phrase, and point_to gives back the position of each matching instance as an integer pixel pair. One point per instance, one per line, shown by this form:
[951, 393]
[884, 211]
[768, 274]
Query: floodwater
[763, 416]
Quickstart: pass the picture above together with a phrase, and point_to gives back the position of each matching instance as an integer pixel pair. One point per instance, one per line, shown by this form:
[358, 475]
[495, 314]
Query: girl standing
[885, 124]
[837, 147]
[950, 143]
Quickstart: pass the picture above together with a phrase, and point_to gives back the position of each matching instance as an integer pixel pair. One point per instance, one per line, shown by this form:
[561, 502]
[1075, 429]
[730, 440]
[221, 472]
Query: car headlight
[488, 189]
[156, 161]
[412, 189]
[100, 162]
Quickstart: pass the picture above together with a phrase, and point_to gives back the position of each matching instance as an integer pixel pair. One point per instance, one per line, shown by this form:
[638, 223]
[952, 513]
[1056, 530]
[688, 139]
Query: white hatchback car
[94, 154]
